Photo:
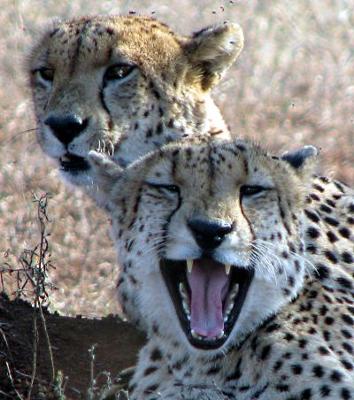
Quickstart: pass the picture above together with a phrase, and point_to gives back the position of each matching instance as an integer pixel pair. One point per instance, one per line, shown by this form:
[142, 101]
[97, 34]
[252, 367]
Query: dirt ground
[116, 346]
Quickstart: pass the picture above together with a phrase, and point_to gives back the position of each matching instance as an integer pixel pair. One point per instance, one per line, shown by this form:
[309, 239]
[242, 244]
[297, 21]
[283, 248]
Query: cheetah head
[209, 237]
[124, 86]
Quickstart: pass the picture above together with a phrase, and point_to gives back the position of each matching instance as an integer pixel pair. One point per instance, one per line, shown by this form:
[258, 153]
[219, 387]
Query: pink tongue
[209, 283]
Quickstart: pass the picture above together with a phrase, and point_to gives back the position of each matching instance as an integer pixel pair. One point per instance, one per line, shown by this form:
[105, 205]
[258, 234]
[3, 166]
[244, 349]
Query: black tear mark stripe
[135, 208]
[165, 226]
[105, 107]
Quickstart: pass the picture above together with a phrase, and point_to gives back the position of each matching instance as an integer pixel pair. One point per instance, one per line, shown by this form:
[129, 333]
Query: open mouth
[71, 163]
[208, 297]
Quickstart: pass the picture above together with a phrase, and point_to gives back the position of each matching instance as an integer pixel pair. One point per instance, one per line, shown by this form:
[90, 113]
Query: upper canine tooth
[227, 268]
[189, 266]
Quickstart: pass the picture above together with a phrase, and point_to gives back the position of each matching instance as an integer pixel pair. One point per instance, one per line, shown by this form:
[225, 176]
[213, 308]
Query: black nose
[209, 234]
[66, 127]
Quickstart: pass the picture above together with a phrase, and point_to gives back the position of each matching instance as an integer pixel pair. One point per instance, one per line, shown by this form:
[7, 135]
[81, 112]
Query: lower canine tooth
[189, 266]
[221, 334]
[180, 287]
[183, 292]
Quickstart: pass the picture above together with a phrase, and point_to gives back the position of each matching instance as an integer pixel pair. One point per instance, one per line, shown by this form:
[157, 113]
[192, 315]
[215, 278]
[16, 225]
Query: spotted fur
[293, 338]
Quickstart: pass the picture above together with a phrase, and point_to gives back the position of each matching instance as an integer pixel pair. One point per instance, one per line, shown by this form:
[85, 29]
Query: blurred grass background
[293, 85]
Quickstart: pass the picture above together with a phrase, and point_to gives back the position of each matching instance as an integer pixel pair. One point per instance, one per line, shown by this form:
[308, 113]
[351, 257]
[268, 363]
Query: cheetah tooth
[194, 334]
[227, 269]
[186, 307]
[221, 334]
[189, 266]
[229, 308]
[234, 292]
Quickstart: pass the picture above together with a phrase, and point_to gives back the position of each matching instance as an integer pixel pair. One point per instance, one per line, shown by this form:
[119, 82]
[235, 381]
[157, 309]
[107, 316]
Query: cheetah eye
[249, 190]
[169, 188]
[117, 71]
[47, 74]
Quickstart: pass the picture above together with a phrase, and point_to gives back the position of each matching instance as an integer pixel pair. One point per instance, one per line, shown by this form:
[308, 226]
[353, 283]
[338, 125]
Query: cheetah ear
[211, 51]
[302, 159]
[106, 172]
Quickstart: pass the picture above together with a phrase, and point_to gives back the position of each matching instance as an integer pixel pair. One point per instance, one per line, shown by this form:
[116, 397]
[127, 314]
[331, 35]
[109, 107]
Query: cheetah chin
[208, 297]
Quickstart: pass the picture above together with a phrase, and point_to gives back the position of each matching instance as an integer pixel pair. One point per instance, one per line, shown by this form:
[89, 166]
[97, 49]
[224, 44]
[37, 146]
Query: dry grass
[293, 84]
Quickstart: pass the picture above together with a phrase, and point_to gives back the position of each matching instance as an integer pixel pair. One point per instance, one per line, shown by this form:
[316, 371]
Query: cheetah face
[123, 86]
[212, 235]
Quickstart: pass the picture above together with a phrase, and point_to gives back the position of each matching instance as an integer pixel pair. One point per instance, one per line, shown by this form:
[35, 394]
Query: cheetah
[126, 85]
[211, 237]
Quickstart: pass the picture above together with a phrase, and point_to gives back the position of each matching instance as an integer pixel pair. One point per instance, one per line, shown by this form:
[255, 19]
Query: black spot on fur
[313, 232]
[336, 376]
[347, 257]
[347, 319]
[325, 209]
[345, 232]
[312, 216]
[325, 390]
[306, 394]
[322, 271]
[318, 187]
[345, 282]
[331, 221]
[331, 256]
[282, 388]
[332, 237]
[345, 394]
[277, 365]
[265, 352]
[149, 371]
[297, 369]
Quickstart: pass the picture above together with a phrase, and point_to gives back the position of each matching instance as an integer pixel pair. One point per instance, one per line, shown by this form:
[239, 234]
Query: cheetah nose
[209, 233]
[66, 127]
